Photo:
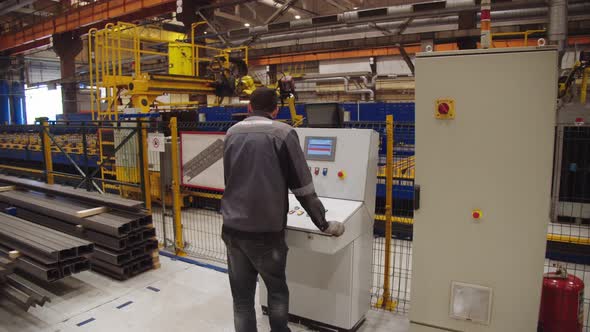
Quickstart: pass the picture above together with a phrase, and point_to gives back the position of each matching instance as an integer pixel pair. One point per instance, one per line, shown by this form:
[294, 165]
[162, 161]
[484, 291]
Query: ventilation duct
[558, 23]
[360, 16]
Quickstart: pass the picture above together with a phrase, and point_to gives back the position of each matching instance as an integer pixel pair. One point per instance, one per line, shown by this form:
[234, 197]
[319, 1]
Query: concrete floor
[177, 297]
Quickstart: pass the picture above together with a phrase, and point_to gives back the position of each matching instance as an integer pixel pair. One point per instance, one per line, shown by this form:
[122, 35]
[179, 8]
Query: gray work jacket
[262, 160]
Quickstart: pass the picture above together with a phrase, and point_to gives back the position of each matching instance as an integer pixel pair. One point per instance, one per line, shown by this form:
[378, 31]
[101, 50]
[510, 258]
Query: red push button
[443, 108]
[341, 174]
[476, 214]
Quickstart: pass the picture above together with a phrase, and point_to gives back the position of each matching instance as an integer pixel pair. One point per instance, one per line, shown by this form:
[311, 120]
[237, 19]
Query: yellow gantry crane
[130, 66]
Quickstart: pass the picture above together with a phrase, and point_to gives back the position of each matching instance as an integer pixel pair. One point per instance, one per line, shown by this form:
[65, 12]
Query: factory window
[43, 102]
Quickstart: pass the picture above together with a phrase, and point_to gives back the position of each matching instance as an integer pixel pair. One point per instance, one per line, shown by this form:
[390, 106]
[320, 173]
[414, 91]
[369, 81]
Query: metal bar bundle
[24, 292]
[114, 223]
[39, 253]
[124, 240]
[125, 271]
[40, 243]
[42, 252]
[78, 194]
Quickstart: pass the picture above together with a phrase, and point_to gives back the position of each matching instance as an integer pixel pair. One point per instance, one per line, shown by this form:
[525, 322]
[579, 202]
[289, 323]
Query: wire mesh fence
[77, 147]
[400, 248]
[201, 216]
[568, 236]
[97, 156]
[202, 221]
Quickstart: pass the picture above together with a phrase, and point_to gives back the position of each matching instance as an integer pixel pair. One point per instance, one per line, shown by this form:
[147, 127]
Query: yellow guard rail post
[176, 214]
[584, 86]
[386, 302]
[144, 163]
[47, 157]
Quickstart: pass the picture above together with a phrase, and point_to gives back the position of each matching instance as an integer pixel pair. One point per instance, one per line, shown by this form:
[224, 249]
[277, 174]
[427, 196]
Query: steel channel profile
[69, 228]
[103, 240]
[121, 252]
[42, 243]
[19, 290]
[6, 268]
[115, 223]
[79, 194]
[46, 207]
[17, 296]
[125, 271]
[115, 251]
[37, 293]
[37, 270]
[24, 293]
[47, 272]
[123, 257]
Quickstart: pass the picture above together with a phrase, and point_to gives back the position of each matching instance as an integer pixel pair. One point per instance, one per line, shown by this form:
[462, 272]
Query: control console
[333, 272]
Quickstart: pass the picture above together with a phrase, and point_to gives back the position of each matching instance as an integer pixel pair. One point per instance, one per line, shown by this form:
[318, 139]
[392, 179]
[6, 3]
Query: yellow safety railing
[584, 86]
[176, 198]
[386, 302]
[47, 155]
[524, 34]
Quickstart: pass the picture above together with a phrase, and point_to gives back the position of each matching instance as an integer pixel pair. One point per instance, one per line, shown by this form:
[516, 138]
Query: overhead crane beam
[13, 5]
[82, 17]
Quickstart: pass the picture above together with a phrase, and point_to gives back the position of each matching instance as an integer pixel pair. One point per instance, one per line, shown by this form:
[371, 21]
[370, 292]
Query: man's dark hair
[264, 100]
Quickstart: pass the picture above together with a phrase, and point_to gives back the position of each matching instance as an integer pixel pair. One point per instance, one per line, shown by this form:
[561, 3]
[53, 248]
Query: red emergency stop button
[443, 108]
[476, 214]
[341, 174]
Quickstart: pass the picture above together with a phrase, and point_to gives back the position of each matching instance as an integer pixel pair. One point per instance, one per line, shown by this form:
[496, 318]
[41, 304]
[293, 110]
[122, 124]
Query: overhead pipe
[358, 16]
[277, 5]
[305, 30]
[345, 80]
[557, 32]
[432, 9]
[343, 30]
[373, 83]
[485, 24]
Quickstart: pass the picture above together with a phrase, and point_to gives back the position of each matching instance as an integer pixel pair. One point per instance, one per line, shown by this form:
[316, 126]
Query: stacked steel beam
[123, 234]
[21, 291]
[42, 254]
[45, 253]
[81, 195]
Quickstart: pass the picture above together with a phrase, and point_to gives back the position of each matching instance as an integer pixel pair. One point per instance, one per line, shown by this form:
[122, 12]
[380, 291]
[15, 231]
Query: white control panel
[336, 210]
[343, 165]
[340, 161]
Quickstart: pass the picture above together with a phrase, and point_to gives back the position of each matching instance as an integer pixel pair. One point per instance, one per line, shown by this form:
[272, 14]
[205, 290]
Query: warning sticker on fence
[156, 142]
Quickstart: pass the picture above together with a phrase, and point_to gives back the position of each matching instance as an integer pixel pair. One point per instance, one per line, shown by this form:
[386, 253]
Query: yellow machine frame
[122, 43]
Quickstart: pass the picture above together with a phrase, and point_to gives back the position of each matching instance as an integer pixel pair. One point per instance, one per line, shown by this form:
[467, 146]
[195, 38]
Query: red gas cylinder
[562, 303]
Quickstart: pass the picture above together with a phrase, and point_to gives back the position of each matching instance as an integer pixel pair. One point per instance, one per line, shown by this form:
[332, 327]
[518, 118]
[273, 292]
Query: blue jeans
[250, 255]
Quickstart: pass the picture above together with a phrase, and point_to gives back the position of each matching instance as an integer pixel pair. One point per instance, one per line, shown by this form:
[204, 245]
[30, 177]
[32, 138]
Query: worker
[262, 160]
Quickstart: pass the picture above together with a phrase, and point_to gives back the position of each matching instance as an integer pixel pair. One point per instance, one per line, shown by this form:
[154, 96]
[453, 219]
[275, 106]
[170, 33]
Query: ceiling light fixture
[246, 24]
[355, 8]
[297, 17]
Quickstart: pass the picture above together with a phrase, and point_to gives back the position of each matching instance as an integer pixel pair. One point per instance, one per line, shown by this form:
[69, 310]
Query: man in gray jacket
[262, 161]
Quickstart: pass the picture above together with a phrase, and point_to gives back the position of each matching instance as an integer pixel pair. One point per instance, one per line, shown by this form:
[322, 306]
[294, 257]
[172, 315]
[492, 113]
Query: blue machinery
[12, 103]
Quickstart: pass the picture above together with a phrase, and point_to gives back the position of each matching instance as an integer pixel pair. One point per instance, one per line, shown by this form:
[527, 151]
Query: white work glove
[335, 228]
